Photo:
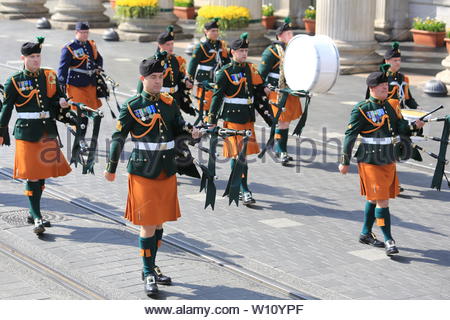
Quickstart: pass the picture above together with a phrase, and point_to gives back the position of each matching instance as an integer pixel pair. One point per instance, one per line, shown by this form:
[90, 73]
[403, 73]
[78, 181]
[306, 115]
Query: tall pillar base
[14, 10]
[68, 13]
[147, 30]
[358, 57]
[444, 76]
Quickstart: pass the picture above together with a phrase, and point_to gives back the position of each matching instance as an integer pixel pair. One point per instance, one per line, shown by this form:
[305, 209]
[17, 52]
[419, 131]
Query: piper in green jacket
[381, 133]
[235, 89]
[154, 122]
[399, 95]
[208, 56]
[270, 70]
[36, 95]
[175, 79]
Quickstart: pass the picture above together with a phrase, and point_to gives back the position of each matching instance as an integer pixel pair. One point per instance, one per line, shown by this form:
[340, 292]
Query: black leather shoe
[45, 223]
[370, 239]
[160, 278]
[150, 286]
[247, 198]
[38, 227]
[284, 159]
[391, 249]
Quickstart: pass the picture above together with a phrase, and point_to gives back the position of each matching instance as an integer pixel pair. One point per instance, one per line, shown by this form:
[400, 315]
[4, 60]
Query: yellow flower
[137, 3]
[222, 12]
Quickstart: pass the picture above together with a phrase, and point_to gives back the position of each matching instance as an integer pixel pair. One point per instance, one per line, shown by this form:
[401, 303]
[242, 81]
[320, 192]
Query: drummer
[399, 92]
[271, 71]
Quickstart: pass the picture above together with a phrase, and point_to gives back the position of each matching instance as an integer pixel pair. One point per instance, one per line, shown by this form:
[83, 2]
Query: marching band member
[208, 57]
[235, 89]
[270, 70]
[79, 63]
[154, 122]
[175, 82]
[380, 128]
[399, 95]
[38, 99]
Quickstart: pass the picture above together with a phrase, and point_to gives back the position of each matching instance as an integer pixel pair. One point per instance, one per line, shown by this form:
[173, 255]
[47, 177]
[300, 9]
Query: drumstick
[426, 115]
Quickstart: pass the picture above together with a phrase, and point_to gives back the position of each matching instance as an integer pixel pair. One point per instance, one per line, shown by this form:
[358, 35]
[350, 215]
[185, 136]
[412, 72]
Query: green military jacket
[399, 90]
[269, 69]
[373, 118]
[234, 93]
[208, 57]
[31, 92]
[149, 119]
[174, 74]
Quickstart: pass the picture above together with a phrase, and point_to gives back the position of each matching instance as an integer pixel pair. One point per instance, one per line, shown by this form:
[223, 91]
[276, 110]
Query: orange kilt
[233, 145]
[39, 160]
[86, 95]
[152, 201]
[293, 107]
[208, 98]
[378, 182]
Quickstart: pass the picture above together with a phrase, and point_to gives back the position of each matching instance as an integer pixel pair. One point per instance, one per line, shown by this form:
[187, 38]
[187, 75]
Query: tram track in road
[86, 293]
[79, 290]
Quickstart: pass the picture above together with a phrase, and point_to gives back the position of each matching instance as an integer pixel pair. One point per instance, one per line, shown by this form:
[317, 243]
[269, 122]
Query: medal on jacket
[375, 115]
[79, 53]
[26, 85]
[146, 113]
[237, 76]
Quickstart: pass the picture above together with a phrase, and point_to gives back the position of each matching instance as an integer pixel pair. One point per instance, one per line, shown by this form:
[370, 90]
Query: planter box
[310, 26]
[447, 44]
[428, 38]
[184, 12]
[268, 22]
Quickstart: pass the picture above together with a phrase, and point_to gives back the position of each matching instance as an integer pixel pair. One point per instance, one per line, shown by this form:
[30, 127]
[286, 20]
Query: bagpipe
[209, 171]
[82, 153]
[103, 90]
[441, 161]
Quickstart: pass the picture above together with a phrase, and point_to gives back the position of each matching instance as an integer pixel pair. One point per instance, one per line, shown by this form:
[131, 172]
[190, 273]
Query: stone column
[69, 12]
[146, 30]
[23, 9]
[350, 23]
[291, 8]
[256, 32]
[392, 20]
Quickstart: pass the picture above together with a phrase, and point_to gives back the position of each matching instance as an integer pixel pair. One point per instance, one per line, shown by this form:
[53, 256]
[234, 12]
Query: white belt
[274, 75]
[33, 115]
[88, 72]
[150, 146]
[169, 90]
[206, 68]
[388, 140]
[238, 101]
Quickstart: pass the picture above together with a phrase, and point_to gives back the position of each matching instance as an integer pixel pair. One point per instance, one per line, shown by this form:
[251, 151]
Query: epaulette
[166, 98]
[16, 74]
[132, 99]
[228, 65]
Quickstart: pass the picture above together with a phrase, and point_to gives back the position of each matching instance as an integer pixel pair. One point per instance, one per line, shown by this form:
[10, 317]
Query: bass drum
[311, 63]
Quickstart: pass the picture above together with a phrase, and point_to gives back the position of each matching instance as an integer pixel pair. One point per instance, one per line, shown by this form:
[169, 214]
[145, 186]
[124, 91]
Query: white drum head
[311, 63]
